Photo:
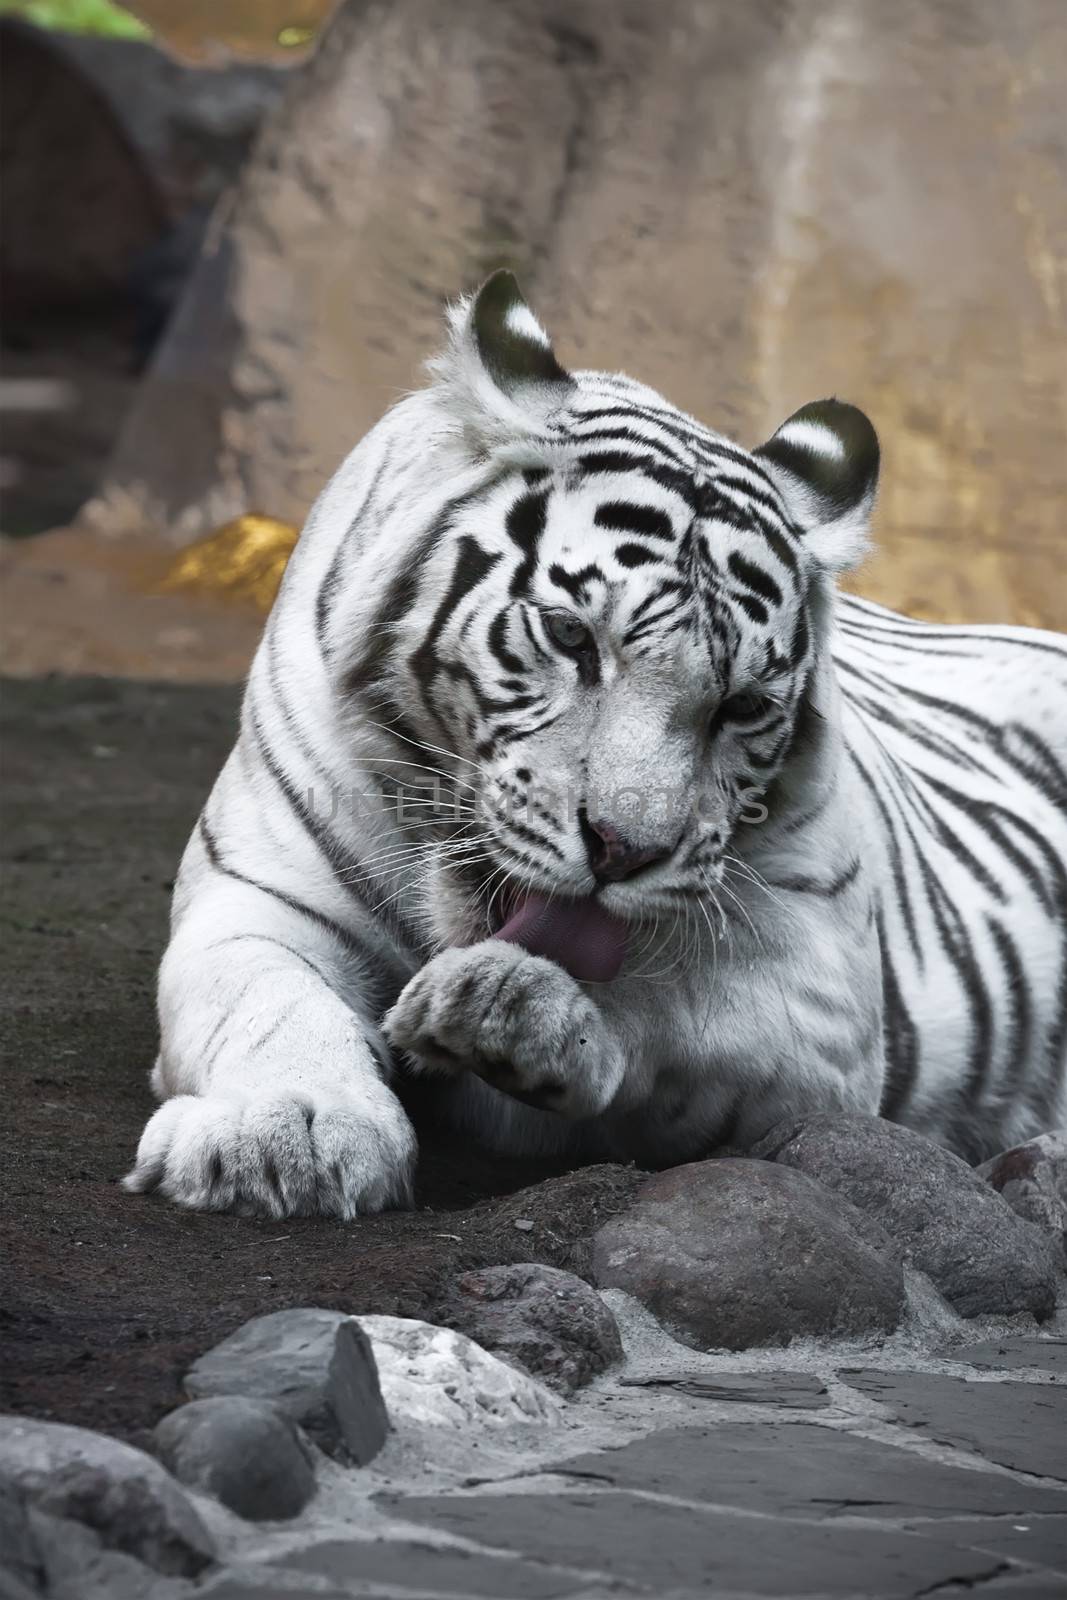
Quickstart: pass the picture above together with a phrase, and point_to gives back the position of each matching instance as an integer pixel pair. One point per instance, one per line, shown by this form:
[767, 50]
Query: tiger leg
[276, 1102]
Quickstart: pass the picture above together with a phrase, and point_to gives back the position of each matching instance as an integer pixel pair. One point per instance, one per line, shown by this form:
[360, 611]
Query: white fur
[744, 999]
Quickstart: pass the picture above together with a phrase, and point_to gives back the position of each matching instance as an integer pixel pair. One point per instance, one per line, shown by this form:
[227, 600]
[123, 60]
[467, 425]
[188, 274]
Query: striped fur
[864, 904]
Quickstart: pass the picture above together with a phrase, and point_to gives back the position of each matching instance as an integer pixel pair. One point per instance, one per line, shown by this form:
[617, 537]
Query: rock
[950, 1223]
[1017, 1425]
[735, 1253]
[77, 1566]
[787, 1391]
[673, 240]
[247, 1453]
[1032, 1178]
[436, 1377]
[80, 207]
[355, 1394]
[22, 1572]
[549, 1322]
[1012, 1354]
[284, 1357]
[426, 1375]
[121, 1494]
[795, 1473]
[193, 126]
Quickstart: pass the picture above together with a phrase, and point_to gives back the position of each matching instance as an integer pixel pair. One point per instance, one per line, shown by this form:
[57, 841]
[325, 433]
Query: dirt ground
[106, 1297]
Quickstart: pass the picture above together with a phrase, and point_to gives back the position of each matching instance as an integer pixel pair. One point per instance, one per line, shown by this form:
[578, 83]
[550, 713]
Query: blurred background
[230, 228]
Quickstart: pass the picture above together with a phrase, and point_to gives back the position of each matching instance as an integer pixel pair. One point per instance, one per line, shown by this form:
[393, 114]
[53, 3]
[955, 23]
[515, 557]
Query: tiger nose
[613, 857]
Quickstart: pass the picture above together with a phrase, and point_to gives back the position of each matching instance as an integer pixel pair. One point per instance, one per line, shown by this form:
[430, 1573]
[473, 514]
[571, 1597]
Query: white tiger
[563, 773]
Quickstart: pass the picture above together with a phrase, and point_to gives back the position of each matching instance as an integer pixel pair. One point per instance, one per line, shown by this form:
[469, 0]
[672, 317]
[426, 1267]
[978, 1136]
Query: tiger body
[855, 824]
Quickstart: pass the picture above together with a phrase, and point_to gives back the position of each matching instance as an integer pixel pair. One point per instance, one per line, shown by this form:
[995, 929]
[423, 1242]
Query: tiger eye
[568, 631]
[745, 707]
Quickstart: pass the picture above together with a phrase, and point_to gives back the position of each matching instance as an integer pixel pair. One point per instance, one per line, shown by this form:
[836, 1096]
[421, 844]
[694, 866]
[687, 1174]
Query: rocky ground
[909, 1440]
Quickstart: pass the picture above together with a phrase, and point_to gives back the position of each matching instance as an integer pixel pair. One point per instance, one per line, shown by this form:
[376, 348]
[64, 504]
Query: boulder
[246, 1453]
[948, 1221]
[80, 207]
[732, 1253]
[550, 1323]
[1032, 1178]
[128, 1500]
[747, 206]
[354, 1393]
[283, 1357]
[435, 1377]
[317, 1367]
[22, 1572]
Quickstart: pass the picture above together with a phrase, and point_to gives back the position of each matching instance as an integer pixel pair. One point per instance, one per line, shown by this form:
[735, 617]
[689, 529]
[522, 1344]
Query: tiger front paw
[516, 1020]
[283, 1155]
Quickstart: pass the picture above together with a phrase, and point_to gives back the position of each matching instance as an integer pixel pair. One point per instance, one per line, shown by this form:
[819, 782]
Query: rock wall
[748, 206]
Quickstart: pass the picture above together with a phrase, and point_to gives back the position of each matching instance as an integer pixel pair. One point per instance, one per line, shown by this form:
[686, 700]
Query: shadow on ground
[108, 1297]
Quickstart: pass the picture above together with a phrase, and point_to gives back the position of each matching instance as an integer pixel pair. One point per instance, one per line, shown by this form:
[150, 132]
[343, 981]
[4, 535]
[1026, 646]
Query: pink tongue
[578, 934]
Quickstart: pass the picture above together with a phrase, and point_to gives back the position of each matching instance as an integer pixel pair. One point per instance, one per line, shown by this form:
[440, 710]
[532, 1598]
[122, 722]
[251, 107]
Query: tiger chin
[565, 776]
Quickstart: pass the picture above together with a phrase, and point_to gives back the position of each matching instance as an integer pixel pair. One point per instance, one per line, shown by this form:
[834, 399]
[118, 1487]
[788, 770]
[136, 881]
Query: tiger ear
[825, 462]
[499, 375]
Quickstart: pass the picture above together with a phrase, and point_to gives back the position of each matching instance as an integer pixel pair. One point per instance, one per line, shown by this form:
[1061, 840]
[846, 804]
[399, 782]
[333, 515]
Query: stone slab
[1036, 1541]
[1020, 1425]
[252, 1584]
[800, 1468]
[668, 1547]
[1044, 1355]
[794, 1391]
[422, 1567]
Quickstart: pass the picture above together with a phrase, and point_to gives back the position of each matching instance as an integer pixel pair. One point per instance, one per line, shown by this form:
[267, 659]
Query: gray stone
[245, 1452]
[549, 1322]
[1032, 1177]
[120, 1493]
[728, 282]
[355, 1394]
[283, 1356]
[22, 1565]
[736, 1253]
[802, 1470]
[950, 1223]
[251, 1583]
[1038, 1541]
[78, 1566]
[708, 1551]
[1020, 1425]
[433, 1570]
[790, 1391]
[1040, 1355]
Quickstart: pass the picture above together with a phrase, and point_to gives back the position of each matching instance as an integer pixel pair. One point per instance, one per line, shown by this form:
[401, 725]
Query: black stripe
[920, 632]
[525, 523]
[754, 578]
[471, 567]
[342, 555]
[635, 555]
[755, 608]
[497, 640]
[392, 982]
[598, 462]
[623, 516]
[369, 668]
[901, 1038]
[825, 891]
[902, 894]
[575, 583]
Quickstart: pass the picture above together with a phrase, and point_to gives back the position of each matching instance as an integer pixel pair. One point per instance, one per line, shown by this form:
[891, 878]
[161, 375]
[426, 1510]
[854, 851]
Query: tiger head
[614, 626]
